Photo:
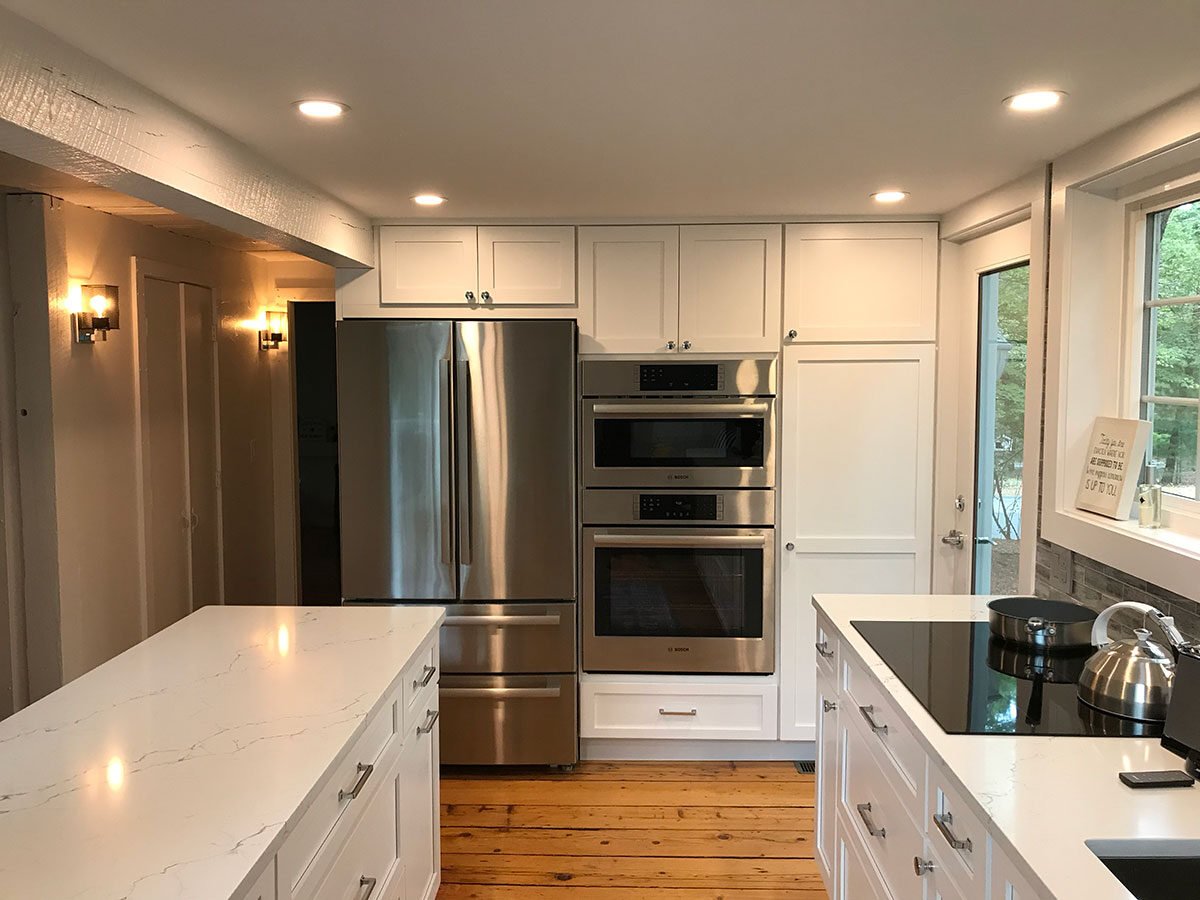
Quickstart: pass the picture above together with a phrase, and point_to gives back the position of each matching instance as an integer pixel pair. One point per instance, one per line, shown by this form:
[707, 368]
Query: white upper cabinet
[628, 289]
[729, 288]
[527, 266]
[861, 282]
[465, 266]
[428, 264]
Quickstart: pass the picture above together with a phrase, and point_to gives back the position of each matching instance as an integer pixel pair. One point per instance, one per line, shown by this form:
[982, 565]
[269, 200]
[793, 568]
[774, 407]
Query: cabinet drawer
[827, 647]
[336, 798]
[869, 804]
[418, 676]
[664, 710]
[368, 864]
[939, 885]
[958, 835]
[902, 757]
[857, 878]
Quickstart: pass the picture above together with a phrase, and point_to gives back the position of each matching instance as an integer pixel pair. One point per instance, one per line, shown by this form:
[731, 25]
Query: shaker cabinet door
[418, 804]
[428, 265]
[527, 266]
[629, 289]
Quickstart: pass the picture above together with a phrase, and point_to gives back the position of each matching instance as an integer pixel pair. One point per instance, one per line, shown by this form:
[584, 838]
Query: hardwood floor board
[750, 844]
[532, 892]
[660, 818]
[625, 793]
[646, 872]
[640, 771]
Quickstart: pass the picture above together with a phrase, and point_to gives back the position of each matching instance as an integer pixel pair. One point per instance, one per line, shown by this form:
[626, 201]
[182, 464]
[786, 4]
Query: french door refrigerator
[456, 453]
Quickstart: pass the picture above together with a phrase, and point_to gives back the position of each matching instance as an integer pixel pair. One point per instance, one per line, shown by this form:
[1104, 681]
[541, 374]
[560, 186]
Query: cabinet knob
[485, 297]
[670, 345]
[828, 705]
[687, 345]
[921, 866]
[792, 334]
[470, 295]
[789, 546]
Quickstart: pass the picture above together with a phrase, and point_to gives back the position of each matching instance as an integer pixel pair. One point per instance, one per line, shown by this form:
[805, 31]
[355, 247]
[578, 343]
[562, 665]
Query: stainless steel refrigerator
[456, 454]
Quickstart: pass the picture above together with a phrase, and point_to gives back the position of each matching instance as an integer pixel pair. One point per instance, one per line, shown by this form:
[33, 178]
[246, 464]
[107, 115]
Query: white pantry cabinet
[856, 478]
[477, 268]
[847, 283]
[680, 289]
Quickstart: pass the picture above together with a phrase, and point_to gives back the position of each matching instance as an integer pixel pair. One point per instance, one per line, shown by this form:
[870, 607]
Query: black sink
[1152, 871]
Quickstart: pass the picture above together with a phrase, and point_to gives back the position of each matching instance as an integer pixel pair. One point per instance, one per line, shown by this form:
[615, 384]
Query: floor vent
[806, 767]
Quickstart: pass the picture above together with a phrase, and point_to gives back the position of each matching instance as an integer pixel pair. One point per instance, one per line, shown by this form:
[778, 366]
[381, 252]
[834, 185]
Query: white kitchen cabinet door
[827, 767]
[855, 501]
[527, 266]
[729, 288]
[861, 282]
[629, 289]
[425, 265]
[418, 803]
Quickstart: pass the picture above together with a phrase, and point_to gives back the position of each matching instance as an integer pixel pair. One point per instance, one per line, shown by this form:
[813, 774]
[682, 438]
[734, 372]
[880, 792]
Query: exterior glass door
[1000, 428]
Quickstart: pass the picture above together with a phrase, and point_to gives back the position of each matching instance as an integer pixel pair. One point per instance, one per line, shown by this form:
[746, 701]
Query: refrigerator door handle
[464, 463]
[446, 461]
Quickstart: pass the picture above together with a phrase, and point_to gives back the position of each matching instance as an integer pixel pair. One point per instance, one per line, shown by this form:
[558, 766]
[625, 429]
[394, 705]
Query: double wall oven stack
[678, 513]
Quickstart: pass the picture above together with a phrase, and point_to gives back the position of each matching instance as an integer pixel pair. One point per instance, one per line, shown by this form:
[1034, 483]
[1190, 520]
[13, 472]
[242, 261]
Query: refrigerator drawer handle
[679, 540]
[735, 410]
[549, 619]
[547, 693]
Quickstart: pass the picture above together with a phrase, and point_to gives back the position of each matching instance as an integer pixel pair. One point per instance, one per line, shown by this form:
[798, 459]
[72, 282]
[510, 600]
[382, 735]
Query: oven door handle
[690, 410]
[679, 540]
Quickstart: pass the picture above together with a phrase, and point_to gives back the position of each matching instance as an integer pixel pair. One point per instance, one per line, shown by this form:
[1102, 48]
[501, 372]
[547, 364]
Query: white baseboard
[631, 749]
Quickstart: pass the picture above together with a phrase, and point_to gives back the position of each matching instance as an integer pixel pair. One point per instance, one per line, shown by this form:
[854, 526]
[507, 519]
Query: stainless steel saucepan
[1044, 624]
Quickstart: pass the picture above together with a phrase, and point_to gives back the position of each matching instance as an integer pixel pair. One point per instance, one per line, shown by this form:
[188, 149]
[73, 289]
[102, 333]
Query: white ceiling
[647, 108]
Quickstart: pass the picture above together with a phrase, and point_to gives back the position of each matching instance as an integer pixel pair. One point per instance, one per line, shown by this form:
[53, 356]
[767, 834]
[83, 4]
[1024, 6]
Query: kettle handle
[1100, 636]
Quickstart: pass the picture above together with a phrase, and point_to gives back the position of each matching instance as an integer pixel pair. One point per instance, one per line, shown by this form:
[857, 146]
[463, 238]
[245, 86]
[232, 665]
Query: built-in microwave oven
[697, 424]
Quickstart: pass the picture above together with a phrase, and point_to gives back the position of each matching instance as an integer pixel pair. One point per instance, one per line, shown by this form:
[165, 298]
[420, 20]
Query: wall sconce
[95, 313]
[272, 329]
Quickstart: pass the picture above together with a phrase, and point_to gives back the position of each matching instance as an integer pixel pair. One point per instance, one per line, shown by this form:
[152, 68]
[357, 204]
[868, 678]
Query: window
[1171, 346]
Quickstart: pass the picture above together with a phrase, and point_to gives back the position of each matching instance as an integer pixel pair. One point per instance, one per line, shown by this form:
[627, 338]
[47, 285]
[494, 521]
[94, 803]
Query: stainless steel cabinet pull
[823, 649]
[922, 866]
[369, 884]
[864, 813]
[944, 822]
[549, 619]
[674, 712]
[868, 713]
[828, 705]
[501, 693]
[431, 717]
[428, 672]
[364, 772]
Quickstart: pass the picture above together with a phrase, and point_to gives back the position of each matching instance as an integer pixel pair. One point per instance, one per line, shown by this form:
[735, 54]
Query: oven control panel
[681, 378]
[688, 507]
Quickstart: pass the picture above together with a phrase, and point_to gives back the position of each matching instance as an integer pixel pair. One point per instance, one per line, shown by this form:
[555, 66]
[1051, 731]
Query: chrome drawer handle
[364, 772]
[922, 866]
[674, 712]
[868, 713]
[428, 672]
[864, 813]
[823, 649]
[369, 884]
[828, 705]
[431, 717]
[944, 822]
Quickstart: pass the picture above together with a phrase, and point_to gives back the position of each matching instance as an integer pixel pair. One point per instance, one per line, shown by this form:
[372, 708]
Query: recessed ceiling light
[889, 196]
[1034, 101]
[321, 109]
[429, 199]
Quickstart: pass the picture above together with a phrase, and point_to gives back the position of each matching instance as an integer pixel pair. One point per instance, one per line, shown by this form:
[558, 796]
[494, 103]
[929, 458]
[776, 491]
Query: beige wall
[11, 624]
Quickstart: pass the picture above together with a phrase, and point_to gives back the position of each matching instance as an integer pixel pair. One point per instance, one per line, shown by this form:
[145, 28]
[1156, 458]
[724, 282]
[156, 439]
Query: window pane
[1174, 429]
[1175, 351]
[1177, 262]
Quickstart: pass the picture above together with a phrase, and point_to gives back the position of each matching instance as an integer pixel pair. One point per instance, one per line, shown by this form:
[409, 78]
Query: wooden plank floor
[626, 830]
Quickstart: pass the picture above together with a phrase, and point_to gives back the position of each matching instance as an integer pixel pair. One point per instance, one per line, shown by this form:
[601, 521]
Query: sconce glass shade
[272, 329]
[100, 313]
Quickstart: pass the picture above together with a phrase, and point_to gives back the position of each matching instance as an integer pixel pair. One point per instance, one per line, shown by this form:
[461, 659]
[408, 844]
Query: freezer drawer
[508, 638]
[509, 720]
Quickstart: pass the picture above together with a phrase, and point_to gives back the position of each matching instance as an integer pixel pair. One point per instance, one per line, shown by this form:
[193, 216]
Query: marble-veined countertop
[1042, 798]
[176, 769]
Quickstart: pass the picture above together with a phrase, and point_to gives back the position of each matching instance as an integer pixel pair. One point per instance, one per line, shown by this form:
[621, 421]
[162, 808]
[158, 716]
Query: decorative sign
[1114, 462]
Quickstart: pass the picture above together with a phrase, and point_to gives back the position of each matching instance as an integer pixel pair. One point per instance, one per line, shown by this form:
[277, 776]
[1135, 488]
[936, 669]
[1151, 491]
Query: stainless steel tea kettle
[1132, 678]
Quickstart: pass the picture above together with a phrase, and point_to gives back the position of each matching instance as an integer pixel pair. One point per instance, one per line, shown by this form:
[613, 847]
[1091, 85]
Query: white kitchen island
[244, 752]
[1022, 808]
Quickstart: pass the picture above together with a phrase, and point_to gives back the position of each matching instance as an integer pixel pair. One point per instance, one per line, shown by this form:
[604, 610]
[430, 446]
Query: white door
[428, 265]
[629, 289]
[180, 449]
[855, 510]
[986, 434]
[730, 288]
[532, 266]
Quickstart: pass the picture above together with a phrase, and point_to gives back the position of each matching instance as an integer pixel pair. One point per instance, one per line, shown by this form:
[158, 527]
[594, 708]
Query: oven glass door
[708, 443]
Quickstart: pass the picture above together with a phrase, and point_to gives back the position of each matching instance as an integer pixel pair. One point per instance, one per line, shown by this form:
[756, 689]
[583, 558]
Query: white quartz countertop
[175, 768]
[1043, 797]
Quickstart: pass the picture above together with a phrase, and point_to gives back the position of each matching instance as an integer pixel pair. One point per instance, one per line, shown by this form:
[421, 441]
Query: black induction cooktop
[973, 683]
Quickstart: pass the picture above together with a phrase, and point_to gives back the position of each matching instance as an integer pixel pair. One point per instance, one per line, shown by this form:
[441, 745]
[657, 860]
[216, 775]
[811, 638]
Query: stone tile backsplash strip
[1064, 575]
